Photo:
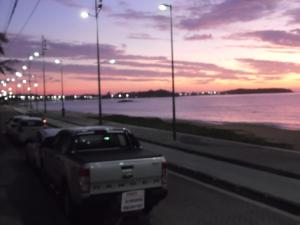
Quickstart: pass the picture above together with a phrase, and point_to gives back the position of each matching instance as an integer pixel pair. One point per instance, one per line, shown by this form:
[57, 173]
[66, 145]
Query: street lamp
[164, 7]
[57, 61]
[18, 74]
[36, 54]
[98, 7]
[112, 61]
[36, 96]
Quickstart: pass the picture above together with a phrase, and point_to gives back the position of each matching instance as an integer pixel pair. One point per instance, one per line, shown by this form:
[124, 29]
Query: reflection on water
[275, 109]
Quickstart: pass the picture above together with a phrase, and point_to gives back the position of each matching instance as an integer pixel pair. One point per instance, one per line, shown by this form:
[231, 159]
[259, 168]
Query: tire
[70, 209]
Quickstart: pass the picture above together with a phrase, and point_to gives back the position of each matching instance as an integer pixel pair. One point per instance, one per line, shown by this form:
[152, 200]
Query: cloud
[142, 36]
[158, 21]
[79, 61]
[276, 37]
[198, 37]
[294, 15]
[229, 11]
[72, 3]
[271, 68]
[23, 45]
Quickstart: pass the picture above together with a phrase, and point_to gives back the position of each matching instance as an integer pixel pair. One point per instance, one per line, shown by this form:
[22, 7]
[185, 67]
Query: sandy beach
[267, 132]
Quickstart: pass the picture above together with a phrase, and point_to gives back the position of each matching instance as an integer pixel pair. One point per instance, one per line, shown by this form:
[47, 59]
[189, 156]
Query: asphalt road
[24, 199]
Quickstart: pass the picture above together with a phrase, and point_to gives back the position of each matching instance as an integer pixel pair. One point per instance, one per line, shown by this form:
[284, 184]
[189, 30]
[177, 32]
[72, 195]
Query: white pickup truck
[104, 165]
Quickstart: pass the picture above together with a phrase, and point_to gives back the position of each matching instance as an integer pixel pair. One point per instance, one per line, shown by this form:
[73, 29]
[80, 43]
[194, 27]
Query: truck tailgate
[124, 175]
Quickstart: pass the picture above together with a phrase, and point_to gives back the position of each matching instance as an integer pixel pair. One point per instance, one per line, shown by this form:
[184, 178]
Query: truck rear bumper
[113, 200]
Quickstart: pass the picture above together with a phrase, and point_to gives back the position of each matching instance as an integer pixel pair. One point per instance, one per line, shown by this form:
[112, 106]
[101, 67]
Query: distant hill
[256, 91]
[146, 94]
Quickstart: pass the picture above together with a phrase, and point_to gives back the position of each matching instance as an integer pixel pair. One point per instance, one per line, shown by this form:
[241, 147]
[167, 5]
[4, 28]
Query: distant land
[256, 91]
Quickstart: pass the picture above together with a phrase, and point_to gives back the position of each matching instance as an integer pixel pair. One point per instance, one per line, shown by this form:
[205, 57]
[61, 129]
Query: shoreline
[270, 133]
[263, 132]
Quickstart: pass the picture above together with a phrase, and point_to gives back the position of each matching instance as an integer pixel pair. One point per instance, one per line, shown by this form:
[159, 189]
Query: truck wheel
[69, 208]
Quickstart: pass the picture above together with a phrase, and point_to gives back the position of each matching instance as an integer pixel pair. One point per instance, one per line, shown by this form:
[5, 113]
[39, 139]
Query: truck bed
[112, 155]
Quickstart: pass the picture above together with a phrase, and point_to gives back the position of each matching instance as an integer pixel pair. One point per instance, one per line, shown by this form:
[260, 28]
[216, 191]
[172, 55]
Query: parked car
[27, 128]
[104, 165]
[33, 148]
[11, 126]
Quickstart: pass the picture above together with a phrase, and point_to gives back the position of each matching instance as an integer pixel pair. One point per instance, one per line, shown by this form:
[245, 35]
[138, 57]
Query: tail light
[84, 180]
[164, 173]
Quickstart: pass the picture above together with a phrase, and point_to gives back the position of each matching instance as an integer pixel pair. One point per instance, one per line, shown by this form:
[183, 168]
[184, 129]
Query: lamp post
[98, 7]
[63, 111]
[28, 68]
[36, 96]
[164, 7]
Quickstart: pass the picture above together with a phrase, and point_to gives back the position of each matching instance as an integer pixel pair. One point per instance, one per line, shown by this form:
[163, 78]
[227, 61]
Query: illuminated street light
[28, 89]
[18, 74]
[36, 54]
[24, 67]
[19, 85]
[35, 85]
[84, 14]
[164, 7]
[30, 57]
[7, 79]
[112, 61]
[24, 81]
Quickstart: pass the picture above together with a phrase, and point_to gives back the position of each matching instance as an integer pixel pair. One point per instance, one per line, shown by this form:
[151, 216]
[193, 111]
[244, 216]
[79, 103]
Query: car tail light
[84, 180]
[164, 173]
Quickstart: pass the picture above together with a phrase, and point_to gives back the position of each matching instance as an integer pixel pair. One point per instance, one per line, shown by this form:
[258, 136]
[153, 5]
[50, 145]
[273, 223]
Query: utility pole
[44, 49]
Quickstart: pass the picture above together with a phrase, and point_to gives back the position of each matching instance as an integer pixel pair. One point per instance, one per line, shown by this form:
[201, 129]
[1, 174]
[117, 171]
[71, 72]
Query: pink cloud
[198, 37]
[271, 68]
[229, 11]
[276, 37]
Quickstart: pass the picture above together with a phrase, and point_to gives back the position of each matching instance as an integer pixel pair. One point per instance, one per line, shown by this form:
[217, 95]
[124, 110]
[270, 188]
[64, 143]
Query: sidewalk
[269, 172]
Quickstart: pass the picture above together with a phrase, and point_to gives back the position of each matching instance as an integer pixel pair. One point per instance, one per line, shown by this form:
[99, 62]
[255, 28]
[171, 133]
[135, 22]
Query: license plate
[133, 200]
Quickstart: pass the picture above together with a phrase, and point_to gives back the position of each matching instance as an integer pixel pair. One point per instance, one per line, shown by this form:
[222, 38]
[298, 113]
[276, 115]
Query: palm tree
[6, 64]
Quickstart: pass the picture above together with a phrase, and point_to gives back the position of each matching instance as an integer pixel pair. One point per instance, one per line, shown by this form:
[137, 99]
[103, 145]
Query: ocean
[282, 110]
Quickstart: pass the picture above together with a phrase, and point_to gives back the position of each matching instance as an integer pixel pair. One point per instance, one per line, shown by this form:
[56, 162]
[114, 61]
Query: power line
[29, 17]
[11, 15]
[7, 12]
[25, 24]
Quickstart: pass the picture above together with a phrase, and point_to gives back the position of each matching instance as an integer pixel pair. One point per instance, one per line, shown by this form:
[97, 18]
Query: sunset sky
[219, 44]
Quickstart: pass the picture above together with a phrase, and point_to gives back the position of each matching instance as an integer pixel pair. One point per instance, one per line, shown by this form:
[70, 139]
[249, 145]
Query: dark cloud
[24, 45]
[229, 11]
[198, 37]
[276, 37]
[294, 15]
